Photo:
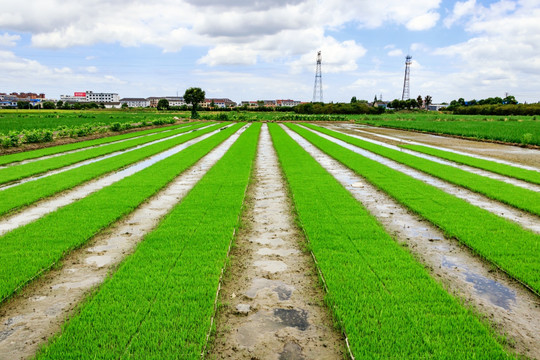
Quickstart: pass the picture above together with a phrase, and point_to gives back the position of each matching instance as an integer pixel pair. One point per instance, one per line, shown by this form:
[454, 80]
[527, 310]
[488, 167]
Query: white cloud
[395, 52]
[238, 33]
[423, 22]
[34, 75]
[7, 40]
[336, 56]
[503, 53]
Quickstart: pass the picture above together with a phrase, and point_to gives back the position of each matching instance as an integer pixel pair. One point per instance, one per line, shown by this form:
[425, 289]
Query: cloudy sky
[266, 49]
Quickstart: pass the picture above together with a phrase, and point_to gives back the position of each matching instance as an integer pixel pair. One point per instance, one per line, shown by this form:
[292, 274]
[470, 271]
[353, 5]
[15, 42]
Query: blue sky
[250, 50]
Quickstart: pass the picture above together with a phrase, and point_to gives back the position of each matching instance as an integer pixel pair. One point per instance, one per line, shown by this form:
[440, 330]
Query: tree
[49, 105]
[194, 96]
[419, 101]
[163, 104]
[353, 100]
[125, 106]
[510, 100]
[23, 105]
[59, 104]
[427, 101]
[212, 104]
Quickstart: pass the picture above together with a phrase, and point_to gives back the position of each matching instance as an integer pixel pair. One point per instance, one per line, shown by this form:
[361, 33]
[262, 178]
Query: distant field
[51, 119]
[512, 129]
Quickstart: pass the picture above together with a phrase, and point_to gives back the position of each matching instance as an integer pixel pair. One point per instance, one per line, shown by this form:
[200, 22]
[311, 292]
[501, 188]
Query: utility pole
[406, 90]
[318, 80]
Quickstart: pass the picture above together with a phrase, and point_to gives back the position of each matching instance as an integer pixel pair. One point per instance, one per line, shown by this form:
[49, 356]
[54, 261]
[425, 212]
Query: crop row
[33, 154]
[29, 136]
[21, 171]
[518, 197]
[516, 131]
[386, 302]
[26, 193]
[29, 250]
[160, 302]
[498, 168]
[510, 247]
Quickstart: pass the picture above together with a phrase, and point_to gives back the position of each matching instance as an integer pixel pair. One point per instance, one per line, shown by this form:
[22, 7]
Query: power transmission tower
[318, 79]
[406, 91]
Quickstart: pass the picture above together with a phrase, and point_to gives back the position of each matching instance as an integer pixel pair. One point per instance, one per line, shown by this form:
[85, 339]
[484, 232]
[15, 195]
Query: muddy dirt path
[48, 205]
[89, 161]
[512, 155]
[31, 317]
[83, 149]
[512, 309]
[274, 305]
[391, 144]
[524, 219]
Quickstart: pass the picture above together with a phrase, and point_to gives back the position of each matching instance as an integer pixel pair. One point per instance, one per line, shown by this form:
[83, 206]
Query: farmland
[255, 238]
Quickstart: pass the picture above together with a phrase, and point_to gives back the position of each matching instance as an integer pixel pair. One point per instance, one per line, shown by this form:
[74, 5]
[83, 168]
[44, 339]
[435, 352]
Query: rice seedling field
[128, 247]
[524, 130]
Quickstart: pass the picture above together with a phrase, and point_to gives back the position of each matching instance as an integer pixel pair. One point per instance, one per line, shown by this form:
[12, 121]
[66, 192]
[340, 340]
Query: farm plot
[161, 295]
[61, 289]
[513, 249]
[32, 249]
[518, 197]
[21, 171]
[502, 169]
[28, 192]
[506, 302]
[394, 311]
[50, 151]
[172, 277]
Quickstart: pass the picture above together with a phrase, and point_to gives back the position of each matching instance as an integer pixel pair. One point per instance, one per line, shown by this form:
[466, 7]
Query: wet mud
[31, 317]
[510, 308]
[522, 218]
[46, 206]
[389, 143]
[272, 304]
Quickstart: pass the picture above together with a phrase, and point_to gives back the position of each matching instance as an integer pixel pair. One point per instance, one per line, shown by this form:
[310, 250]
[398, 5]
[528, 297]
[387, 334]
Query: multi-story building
[219, 103]
[173, 100]
[90, 96]
[249, 104]
[13, 98]
[76, 97]
[135, 102]
[102, 97]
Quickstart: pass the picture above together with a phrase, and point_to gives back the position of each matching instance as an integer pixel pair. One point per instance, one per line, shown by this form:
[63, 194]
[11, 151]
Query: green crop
[387, 303]
[160, 302]
[17, 172]
[518, 197]
[498, 168]
[24, 194]
[29, 250]
[33, 154]
[512, 129]
[505, 244]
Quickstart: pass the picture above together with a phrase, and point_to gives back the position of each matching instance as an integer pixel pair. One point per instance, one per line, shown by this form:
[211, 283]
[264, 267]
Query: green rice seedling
[33, 154]
[30, 250]
[518, 197]
[160, 301]
[386, 302]
[495, 167]
[27, 193]
[475, 127]
[17, 172]
[503, 243]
